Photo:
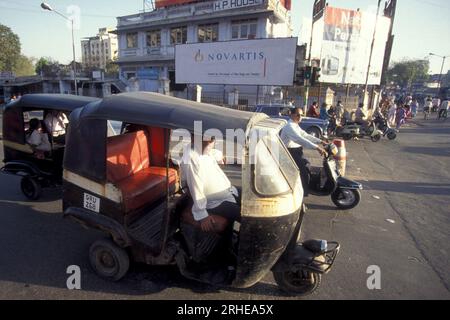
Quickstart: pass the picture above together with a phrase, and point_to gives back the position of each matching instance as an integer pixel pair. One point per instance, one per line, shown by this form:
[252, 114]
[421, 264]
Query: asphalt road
[402, 225]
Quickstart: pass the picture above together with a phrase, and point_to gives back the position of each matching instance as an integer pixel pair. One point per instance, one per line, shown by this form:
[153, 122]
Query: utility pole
[318, 9]
[371, 49]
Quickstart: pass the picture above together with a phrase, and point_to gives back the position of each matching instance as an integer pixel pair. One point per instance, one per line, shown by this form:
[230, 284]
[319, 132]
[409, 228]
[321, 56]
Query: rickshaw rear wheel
[108, 260]
[299, 283]
[30, 188]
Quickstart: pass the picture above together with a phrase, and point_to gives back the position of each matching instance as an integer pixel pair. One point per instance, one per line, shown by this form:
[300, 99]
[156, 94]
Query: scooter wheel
[376, 138]
[108, 260]
[300, 283]
[392, 135]
[346, 199]
[30, 188]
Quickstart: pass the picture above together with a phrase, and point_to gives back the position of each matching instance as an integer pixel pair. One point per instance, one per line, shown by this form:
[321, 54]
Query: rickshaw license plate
[91, 203]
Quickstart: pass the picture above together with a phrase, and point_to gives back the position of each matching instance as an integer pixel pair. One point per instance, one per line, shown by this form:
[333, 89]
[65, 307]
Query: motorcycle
[382, 124]
[327, 180]
[354, 130]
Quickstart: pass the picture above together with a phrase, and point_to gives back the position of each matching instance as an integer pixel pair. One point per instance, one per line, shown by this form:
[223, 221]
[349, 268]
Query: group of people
[398, 112]
[435, 104]
[54, 125]
[326, 112]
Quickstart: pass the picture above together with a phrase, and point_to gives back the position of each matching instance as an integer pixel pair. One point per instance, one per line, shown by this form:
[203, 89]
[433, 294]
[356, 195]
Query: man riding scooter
[295, 140]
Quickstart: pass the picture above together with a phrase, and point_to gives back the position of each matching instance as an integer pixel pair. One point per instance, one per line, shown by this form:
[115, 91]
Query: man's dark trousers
[303, 164]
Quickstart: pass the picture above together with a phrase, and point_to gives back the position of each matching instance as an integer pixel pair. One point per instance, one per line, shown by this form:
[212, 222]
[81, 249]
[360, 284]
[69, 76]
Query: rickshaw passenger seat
[130, 170]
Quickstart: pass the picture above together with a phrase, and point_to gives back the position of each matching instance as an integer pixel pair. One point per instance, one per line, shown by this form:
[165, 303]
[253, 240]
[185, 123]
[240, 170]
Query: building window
[208, 32]
[132, 40]
[244, 29]
[178, 35]
[154, 38]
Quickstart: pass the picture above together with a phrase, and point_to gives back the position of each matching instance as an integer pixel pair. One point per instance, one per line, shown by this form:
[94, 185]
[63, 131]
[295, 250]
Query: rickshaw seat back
[129, 167]
[127, 154]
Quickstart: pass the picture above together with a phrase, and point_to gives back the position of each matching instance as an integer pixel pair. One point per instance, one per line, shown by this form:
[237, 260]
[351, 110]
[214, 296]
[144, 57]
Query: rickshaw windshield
[274, 172]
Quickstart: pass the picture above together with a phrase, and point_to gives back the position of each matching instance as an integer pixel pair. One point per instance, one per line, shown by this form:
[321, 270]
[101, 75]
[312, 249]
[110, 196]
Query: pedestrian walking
[414, 108]
[391, 114]
[400, 117]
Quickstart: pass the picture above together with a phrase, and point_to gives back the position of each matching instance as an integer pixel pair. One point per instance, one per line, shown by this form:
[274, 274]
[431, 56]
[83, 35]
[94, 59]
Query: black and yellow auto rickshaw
[128, 186]
[38, 168]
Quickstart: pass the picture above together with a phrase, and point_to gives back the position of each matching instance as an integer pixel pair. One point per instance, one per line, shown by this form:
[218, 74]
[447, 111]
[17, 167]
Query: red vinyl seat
[130, 170]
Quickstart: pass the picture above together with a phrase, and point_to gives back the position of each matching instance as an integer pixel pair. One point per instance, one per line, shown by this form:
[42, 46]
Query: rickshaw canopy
[62, 102]
[153, 109]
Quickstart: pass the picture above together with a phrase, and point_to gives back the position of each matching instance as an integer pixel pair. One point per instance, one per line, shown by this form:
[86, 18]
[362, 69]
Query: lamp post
[46, 6]
[442, 67]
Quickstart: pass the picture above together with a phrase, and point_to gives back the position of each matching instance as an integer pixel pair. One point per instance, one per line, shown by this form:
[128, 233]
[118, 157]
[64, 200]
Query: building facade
[97, 51]
[147, 40]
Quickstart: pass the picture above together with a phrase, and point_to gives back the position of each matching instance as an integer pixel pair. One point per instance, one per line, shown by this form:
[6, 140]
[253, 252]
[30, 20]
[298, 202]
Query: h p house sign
[234, 4]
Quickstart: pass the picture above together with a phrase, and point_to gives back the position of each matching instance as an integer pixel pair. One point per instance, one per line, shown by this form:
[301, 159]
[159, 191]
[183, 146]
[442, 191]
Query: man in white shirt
[56, 123]
[37, 139]
[211, 191]
[295, 139]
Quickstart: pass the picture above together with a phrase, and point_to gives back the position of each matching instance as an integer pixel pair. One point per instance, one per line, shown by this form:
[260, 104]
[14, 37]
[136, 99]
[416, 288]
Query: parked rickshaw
[38, 169]
[127, 186]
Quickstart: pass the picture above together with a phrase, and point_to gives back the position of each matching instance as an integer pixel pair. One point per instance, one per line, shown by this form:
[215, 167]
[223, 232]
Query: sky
[421, 26]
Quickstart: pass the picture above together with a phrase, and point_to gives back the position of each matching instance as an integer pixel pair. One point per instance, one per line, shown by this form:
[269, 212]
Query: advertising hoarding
[342, 40]
[246, 62]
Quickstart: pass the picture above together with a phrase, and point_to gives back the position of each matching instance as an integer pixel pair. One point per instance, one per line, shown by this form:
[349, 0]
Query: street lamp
[442, 67]
[46, 6]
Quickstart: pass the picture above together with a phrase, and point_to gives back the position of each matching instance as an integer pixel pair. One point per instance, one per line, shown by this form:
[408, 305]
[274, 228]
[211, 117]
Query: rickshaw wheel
[299, 283]
[30, 188]
[108, 260]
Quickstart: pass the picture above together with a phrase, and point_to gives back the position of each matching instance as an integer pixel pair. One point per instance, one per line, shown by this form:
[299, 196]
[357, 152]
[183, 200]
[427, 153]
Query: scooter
[327, 180]
[353, 130]
[382, 124]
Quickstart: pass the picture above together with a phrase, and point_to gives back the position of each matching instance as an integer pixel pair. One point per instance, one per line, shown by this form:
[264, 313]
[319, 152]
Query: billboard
[342, 40]
[219, 4]
[246, 62]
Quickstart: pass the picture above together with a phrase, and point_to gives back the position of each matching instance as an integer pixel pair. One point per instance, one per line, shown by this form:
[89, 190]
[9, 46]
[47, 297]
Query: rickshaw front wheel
[109, 260]
[299, 283]
[30, 188]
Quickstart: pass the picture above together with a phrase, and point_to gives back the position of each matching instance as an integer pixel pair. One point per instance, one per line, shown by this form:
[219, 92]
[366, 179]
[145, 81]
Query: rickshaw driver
[295, 139]
[213, 196]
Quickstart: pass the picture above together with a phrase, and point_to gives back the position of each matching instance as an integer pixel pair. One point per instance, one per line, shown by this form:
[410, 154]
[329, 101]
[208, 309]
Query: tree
[9, 49]
[48, 66]
[112, 68]
[406, 72]
[24, 66]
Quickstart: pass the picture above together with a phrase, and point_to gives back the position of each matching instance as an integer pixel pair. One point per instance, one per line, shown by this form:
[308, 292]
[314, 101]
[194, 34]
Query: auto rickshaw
[37, 169]
[129, 186]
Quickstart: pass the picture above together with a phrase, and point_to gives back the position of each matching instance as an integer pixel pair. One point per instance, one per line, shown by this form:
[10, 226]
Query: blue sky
[421, 26]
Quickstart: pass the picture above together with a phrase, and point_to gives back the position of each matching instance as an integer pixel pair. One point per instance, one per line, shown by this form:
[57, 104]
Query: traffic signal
[315, 77]
[299, 76]
[308, 73]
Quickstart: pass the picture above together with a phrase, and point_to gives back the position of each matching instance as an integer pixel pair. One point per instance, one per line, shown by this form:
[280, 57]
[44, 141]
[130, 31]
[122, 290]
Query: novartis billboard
[246, 62]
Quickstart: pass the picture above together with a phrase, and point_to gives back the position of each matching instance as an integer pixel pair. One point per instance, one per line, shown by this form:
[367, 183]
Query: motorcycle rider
[443, 108]
[295, 139]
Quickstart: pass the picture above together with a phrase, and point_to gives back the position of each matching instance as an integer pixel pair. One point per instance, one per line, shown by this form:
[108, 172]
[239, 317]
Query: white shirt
[39, 141]
[295, 137]
[444, 105]
[208, 185]
[56, 125]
